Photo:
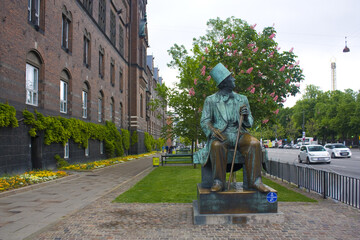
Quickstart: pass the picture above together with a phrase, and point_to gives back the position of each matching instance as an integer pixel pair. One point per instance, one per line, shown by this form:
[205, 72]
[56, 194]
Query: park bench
[176, 159]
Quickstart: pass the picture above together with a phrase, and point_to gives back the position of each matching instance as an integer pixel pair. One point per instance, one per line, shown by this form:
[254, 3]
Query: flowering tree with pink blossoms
[263, 73]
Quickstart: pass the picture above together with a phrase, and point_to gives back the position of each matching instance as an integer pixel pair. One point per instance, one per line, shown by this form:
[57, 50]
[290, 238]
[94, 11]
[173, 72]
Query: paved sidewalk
[29, 210]
[99, 218]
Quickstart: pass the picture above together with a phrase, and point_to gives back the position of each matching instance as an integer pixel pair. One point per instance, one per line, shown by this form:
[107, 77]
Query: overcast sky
[316, 29]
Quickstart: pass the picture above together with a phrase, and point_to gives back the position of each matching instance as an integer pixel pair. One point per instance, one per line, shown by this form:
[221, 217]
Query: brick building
[83, 59]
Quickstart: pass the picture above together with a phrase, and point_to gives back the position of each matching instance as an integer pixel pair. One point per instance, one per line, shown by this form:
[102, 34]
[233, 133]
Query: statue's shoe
[261, 187]
[216, 187]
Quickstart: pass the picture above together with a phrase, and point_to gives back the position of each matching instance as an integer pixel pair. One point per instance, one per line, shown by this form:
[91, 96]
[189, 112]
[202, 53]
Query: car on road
[338, 150]
[287, 146]
[313, 154]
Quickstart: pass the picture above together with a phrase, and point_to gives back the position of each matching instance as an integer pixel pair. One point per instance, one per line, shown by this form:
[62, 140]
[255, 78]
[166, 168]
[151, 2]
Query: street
[345, 166]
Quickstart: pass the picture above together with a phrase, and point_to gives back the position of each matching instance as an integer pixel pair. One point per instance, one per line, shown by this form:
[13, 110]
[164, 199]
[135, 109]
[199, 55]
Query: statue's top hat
[219, 73]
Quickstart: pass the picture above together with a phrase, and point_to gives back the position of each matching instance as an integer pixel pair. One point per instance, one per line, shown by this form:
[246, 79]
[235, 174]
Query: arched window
[66, 30]
[101, 107]
[85, 100]
[64, 90]
[87, 49]
[121, 115]
[33, 74]
[112, 110]
[141, 106]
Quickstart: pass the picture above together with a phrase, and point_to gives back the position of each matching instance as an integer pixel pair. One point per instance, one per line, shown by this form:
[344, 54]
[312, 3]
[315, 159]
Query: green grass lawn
[177, 184]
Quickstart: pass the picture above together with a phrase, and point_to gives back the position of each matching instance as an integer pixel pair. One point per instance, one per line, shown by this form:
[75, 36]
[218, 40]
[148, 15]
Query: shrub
[8, 116]
[134, 138]
[109, 148]
[126, 138]
[60, 162]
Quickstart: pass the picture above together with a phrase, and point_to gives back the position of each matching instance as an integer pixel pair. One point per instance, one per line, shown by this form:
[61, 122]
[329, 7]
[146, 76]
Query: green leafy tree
[262, 73]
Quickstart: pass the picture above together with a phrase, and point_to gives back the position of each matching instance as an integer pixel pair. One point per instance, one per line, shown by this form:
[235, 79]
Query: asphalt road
[345, 166]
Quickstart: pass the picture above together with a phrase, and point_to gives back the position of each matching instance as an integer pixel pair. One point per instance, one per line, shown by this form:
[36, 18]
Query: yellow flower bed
[104, 163]
[28, 178]
[33, 177]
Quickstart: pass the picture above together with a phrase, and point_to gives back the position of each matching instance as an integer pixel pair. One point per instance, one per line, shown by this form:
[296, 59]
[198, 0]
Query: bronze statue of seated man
[220, 122]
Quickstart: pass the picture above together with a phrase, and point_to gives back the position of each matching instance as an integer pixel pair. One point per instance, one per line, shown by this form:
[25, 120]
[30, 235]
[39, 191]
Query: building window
[101, 63]
[87, 49]
[112, 110]
[34, 11]
[112, 72]
[101, 147]
[99, 110]
[112, 28]
[121, 88]
[63, 96]
[84, 103]
[88, 4]
[87, 151]
[100, 107]
[32, 81]
[121, 114]
[102, 14]
[66, 30]
[66, 150]
[141, 106]
[121, 40]
[64, 90]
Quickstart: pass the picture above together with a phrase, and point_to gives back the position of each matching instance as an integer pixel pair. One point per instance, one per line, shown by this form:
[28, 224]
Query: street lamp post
[346, 49]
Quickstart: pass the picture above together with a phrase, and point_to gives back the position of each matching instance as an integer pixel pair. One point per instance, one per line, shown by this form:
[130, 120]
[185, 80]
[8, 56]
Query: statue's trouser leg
[250, 148]
[219, 161]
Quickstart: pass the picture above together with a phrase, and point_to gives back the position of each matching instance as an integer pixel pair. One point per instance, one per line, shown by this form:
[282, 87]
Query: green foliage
[60, 162]
[8, 116]
[149, 142]
[262, 73]
[126, 138]
[160, 142]
[327, 116]
[109, 148]
[134, 138]
[60, 130]
[113, 135]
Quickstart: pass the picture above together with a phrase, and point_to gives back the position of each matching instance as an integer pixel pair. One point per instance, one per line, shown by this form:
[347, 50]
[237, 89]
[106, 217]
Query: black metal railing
[329, 184]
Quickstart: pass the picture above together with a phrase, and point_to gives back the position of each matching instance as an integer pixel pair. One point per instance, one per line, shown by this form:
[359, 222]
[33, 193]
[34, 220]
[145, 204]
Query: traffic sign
[271, 197]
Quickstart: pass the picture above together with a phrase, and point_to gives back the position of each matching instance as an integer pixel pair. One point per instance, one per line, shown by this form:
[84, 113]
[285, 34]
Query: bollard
[156, 162]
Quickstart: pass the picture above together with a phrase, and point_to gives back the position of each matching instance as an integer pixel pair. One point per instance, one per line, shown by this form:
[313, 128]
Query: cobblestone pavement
[103, 219]
[106, 220]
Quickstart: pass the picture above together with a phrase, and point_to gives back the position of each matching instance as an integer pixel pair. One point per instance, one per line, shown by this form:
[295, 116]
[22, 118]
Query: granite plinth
[234, 201]
[239, 219]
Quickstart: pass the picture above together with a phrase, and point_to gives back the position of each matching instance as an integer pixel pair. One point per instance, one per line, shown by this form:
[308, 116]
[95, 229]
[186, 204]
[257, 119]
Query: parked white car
[313, 154]
[338, 150]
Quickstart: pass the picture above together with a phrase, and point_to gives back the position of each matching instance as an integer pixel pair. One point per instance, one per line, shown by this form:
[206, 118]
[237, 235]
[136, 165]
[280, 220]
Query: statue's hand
[244, 111]
[219, 135]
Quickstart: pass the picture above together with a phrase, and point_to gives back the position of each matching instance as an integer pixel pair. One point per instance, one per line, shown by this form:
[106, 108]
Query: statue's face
[232, 82]
[228, 84]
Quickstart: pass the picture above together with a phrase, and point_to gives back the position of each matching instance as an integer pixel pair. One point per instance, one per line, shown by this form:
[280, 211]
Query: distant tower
[333, 75]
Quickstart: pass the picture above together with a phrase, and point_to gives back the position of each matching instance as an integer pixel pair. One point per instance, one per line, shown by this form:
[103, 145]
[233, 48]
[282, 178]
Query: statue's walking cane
[237, 140]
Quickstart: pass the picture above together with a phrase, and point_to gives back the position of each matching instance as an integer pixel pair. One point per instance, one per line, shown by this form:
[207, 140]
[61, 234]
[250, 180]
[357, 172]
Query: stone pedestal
[229, 206]
[234, 201]
[239, 219]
